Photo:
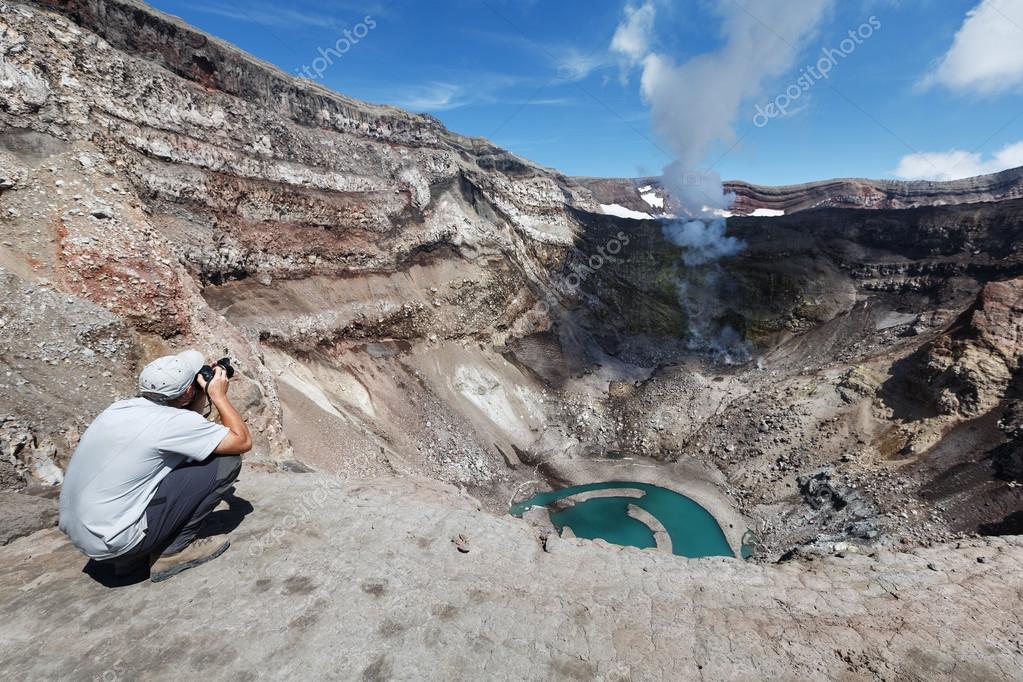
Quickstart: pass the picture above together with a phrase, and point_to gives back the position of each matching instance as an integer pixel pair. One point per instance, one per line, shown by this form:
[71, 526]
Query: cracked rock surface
[327, 579]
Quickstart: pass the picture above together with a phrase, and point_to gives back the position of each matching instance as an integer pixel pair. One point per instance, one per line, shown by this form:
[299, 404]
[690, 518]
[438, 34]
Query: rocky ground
[332, 580]
[408, 304]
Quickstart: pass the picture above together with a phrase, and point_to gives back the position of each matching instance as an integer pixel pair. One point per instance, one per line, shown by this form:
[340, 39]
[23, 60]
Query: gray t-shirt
[117, 466]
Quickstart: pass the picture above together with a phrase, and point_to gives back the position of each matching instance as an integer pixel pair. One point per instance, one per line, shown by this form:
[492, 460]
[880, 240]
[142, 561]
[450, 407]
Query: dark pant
[183, 500]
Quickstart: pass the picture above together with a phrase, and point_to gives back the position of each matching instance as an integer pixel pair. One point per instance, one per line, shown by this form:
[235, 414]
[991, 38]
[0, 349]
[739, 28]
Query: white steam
[705, 241]
[694, 105]
[700, 195]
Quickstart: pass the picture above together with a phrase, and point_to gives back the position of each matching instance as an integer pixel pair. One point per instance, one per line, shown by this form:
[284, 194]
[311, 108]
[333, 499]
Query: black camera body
[206, 372]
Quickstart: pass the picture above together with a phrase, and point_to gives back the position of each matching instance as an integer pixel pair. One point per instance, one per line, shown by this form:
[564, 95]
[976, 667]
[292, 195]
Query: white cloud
[986, 56]
[570, 62]
[434, 96]
[632, 38]
[575, 65]
[276, 16]
[548, 102]
[956, 163]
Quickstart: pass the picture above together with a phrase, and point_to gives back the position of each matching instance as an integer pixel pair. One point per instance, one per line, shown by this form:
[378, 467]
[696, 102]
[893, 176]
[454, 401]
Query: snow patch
[766, 213]
[622, 212]
[716, 212]
[653, 200]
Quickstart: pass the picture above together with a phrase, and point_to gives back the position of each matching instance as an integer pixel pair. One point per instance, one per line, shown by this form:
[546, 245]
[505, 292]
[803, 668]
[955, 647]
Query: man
[149, 470]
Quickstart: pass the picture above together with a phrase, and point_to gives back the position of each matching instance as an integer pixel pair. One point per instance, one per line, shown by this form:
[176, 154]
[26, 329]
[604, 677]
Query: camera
[206, 372]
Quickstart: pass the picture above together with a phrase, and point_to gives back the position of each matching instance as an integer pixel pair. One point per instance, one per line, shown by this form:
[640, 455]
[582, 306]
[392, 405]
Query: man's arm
[239, 440]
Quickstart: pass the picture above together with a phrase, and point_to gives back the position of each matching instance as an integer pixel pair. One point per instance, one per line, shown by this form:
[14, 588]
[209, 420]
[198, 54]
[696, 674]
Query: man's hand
[217, 387]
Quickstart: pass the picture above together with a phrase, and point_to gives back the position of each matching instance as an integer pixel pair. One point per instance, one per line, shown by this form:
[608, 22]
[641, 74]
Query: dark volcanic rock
[823, 493]
[838, 508]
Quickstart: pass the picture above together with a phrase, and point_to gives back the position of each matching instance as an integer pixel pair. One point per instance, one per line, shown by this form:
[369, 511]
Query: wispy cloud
[277, 16]
[527, 143]
[573, 64]
[566, 62]
[433, 96]
[549, 102]
[471, 89]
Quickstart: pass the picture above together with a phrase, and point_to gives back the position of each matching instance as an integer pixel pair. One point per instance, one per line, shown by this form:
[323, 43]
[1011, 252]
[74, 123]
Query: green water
[693, 531]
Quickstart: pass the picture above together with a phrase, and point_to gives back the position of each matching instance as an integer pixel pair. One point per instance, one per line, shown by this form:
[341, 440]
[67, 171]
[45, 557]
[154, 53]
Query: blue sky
[932, 92]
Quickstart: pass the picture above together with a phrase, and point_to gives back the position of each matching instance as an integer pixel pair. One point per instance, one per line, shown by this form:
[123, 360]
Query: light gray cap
[170, 376]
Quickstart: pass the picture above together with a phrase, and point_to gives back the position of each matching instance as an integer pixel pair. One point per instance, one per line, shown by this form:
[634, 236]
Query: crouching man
[149, 470]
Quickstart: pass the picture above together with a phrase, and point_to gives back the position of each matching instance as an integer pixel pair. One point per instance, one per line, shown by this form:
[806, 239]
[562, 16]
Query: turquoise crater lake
[693, 531]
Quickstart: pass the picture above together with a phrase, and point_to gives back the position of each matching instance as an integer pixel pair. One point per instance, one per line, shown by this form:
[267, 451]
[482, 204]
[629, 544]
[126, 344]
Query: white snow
[653, 200]
[645, 188]
[716, 212]
[757, 212]
[622, 212]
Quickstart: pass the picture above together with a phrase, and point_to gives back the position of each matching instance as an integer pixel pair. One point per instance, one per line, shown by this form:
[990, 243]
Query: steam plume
[693, 105]
[704, 241]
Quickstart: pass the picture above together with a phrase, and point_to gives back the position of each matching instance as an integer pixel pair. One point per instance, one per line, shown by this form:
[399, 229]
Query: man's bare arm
[238, 441]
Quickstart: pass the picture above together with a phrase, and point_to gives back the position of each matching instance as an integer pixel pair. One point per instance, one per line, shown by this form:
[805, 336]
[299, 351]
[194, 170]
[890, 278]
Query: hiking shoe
[197, 553]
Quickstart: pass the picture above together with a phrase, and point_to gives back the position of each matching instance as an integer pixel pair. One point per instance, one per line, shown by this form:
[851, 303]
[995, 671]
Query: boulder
[22, 514]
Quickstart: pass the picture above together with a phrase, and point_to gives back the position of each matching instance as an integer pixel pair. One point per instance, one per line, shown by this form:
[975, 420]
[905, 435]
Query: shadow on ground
[217, 523]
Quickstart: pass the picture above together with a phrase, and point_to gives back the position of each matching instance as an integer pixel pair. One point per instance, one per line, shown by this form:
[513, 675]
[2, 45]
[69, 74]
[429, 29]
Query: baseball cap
[171, 375]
